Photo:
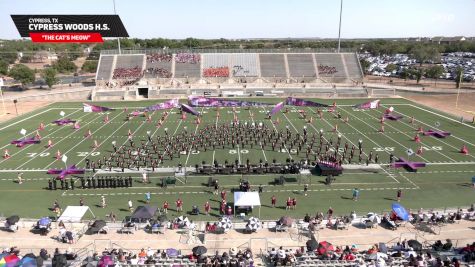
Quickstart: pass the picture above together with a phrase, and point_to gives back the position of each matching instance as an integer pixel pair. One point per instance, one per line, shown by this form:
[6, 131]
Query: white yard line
[83, 158]
[215, 126]
[48, 124]
[351, 142]
[387, 152]
[239, 154]
[445, 117]
[275, 128]
[409, 180]
[55, 144]
[176, 130]
[27, 118]
[296, 128]
[104, 125]
[438, 128]
[437, 139]
[196, 130]
[260, 143]
[429, 163]
[65, 194]
[410, 137]
[25, 148]
[452, 163]
[395, 141]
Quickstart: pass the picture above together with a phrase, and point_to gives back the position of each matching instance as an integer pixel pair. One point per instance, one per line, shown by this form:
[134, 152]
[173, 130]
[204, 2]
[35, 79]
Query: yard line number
[391, 149]
[79, 154]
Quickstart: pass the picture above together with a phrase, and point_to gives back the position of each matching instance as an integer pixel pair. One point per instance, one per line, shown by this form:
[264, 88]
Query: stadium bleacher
[215, 65]
[326, 61]
[353, 66]
[187, 65]
[245, 67]
[272, 65]
[158, 66]
[215, 60]
[301, 65]
[129, 61]
[105, 67]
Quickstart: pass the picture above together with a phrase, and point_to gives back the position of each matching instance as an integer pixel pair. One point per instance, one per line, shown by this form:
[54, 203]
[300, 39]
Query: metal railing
[225, 50]
[82, 254]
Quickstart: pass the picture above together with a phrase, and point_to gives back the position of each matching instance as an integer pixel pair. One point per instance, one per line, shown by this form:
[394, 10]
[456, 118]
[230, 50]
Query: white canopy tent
[247, 199]
[74, 214]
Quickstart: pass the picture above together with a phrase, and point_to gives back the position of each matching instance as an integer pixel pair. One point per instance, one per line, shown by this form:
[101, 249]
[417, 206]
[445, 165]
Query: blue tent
[44, 221]
[400, 211]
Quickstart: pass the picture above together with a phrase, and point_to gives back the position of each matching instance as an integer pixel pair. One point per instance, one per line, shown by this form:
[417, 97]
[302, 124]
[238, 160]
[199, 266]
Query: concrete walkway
[460, 233]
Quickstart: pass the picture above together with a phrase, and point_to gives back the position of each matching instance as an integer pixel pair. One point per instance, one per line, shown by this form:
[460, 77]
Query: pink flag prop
[369, 105]
[62, 173]
[94, 108]
[276, 109]
[25, 141]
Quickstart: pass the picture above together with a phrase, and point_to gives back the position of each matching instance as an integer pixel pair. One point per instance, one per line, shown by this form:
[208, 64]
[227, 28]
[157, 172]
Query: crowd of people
[402, 253]
[120, 83]
[58, 258]
[326, 70]
[216, 72]
[159, 72]
[158, 57]
[127, 73]
[436, 217]
[187, 58]
[233, 257]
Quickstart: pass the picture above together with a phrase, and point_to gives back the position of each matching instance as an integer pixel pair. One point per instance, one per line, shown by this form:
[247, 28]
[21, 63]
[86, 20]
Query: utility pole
[339, 28]
[118, 38]
[458, 88]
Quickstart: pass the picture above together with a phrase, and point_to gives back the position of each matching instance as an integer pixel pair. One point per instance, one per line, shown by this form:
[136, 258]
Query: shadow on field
[465, 184]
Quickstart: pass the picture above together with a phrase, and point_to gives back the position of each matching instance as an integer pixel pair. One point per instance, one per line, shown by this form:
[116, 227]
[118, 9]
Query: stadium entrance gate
[143, 91]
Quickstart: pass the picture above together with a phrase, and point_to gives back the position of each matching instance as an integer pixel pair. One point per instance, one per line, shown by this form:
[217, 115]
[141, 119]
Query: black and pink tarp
[276, 109]
[368, 105]
[201, 101]
[173, 103]
[94, 108]
[25, 141]
[292, 101]
[62, 173]
[188, 109]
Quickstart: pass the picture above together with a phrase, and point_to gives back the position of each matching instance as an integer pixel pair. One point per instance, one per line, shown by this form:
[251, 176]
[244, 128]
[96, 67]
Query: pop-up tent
[247, 199]
[143, 213]
[74, 214]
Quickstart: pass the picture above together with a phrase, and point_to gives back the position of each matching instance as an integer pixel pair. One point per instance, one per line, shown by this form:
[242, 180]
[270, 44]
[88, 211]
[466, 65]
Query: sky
[178, 19]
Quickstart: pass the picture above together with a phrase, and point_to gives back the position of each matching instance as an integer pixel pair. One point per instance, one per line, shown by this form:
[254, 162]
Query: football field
[444, 182]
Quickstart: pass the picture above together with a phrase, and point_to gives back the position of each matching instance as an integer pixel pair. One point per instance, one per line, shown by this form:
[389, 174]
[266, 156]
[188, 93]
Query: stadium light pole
[118, 38]
[1, 95]
[339, 27]
[458, 90]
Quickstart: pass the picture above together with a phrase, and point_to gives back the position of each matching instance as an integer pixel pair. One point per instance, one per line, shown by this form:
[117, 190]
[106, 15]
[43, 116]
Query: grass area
[445, 182]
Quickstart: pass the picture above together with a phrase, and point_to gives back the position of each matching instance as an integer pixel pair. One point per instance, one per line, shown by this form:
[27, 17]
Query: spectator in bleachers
[158, 57]
[187, 58]
[127, 73]
[326, 70]
[216, 72]
[159, 72]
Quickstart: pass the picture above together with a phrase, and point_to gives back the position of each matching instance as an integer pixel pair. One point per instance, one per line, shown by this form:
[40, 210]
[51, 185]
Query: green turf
[446, 182]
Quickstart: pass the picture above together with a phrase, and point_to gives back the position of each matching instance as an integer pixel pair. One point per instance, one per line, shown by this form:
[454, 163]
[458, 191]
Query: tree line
[9, 49]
